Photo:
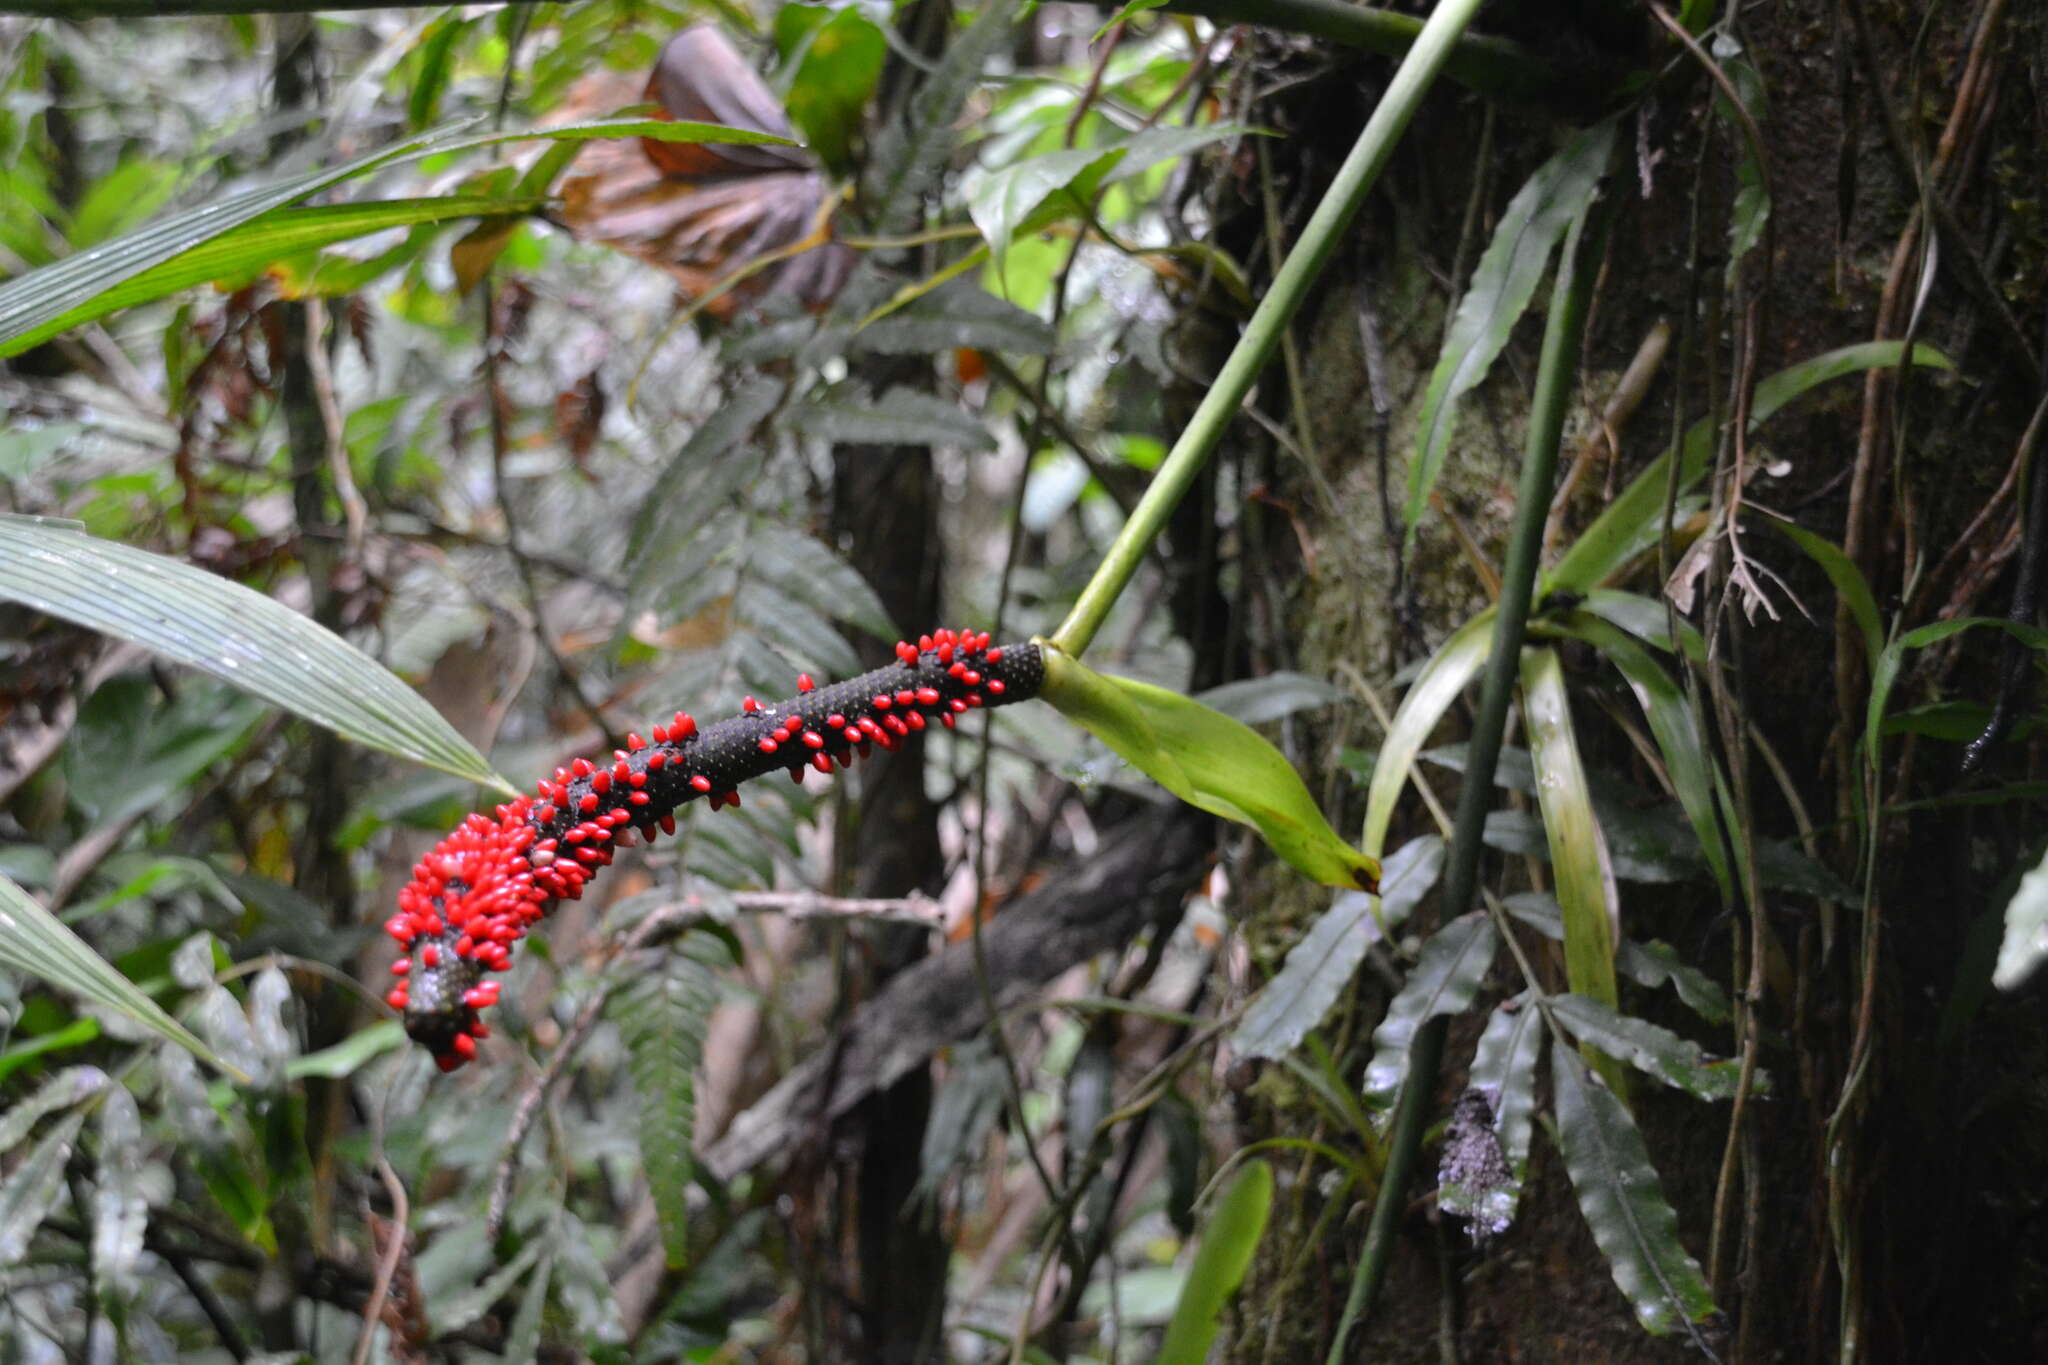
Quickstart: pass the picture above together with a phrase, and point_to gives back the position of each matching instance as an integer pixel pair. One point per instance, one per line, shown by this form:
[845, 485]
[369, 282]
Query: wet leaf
[1209, 761]
[1446, 977]
[1502, 287]
[902, 416]
[1623, 1202]
[35, 942]
[1324, 959]
[1504, 1070]
[245, 639]
[1456, 662]
[119, 1211]
[32, 1189]
[1658, 1052]
[73, 1085]
[1258, 701]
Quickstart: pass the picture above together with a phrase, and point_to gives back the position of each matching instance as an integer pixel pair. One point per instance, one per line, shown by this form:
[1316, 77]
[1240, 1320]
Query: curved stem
[1418, 72]
[1571, 297]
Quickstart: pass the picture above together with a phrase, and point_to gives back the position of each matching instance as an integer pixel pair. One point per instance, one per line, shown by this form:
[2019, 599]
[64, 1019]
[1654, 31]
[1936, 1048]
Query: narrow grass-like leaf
[663, 1017]
[1209, 761]
[1446, 978]
[2025, 944]
[34, 941]
[1456, 662]
[522, 1342]
[31, 300]
[349, 1055]
[1631, 519]
[1658, 1052]
[1578, 848]
[243, 253]
[1504, 1069]
[72, 1085]
[1671, 725]
[1502, 286]
[1229, 1238]
[1623, 1202]
[1323, 960]
[457, 1311]
[1752, 207]
[1847, 578]
[32, 1189]
[238, 635]
[1893, 656]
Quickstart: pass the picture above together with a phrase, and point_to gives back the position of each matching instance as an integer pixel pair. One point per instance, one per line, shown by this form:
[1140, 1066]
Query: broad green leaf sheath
[1209, 761]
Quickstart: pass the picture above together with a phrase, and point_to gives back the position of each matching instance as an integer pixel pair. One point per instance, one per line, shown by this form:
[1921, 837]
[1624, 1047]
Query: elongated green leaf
[32, 1189]
[1502, 287]
[902, 416]
[1847, 578]
[957, 314]
[239, 636]
[1630, 521]
[241, 254]
[1446, 977]
[72, 1085]
[1504, 1070]
[1229, 1238]
[663, 1017]
[1209, 761]
[1752, 207]
[2025, 943]
[1319, 965]
[1578, 848]
[31, 300]
[120, 1212]
[1893, 657]
[909, 154]
[1623, 1202]
[1647, 619]
[34, 941]
[1652, 964]
[1658, 1052]
[458, 1311]
[1671, 724]
[1258, 701]
[1456, 662]
[349, 1055]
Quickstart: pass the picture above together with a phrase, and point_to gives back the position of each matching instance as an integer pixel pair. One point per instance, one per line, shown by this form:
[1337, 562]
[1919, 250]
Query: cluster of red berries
[484, 886]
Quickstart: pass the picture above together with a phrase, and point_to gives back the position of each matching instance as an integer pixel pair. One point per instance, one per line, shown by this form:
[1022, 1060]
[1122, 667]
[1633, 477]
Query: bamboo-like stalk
[1571, 298]
[1304, 264]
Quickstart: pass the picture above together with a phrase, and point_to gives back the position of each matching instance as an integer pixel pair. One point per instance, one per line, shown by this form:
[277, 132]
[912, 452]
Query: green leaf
[1652, 964]
[1446, 978]
[1062, 184]
[1658, 1052]
[1502, 287]
[1847, 578]
[1893, 657]
[32, 1189]
[663, 1017]
[1671, 725]
[36, 942]
[902, 416]
[73, 1085]
[120, 1212]
[1752, 207]
[1229, 1238]
[430, 75]
[956, 314]
[909, 154]
[453, 1313]
[239, 636]
[1578, 849]
[349, 1055]
[240, 255]
[1323, 960]
[1456, 662]
[1209, 761]
[1504, 1070]
[1623, 1203]
[1631, 520]
[842, 55]
[1258, 701]
[2026, 930]
[31, 300]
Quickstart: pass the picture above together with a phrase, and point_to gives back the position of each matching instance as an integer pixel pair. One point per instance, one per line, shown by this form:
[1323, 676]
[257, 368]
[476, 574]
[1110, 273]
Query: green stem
[1490, 66]
[1570, 298]
[155, 9]
[1262, 334]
